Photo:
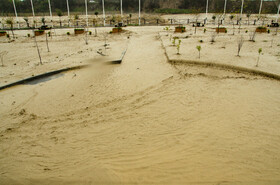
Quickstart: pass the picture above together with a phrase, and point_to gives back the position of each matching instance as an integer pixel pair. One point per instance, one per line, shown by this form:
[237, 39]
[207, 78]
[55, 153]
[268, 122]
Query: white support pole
[278, 13]
[121, 9]
[260, 11]
[68, 11]
[32, 11]
[104, 16]
[139, 12]
[225, 7]
[206, 16]
[50, 7]
[86, 12]
[15, 12]
[241, 12]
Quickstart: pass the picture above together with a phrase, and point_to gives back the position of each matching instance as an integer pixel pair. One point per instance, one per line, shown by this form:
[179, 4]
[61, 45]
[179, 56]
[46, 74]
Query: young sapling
[178, 47]
[259, 51]
[198, 49]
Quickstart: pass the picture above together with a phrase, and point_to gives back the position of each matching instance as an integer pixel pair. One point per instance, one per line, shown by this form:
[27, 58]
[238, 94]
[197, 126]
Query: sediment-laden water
[142, 122]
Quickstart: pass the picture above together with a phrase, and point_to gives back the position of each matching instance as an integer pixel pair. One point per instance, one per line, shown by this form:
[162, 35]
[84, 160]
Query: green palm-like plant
[198, 49]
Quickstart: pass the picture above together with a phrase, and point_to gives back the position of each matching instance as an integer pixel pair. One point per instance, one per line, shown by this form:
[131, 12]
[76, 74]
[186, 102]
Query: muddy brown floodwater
[156, 123]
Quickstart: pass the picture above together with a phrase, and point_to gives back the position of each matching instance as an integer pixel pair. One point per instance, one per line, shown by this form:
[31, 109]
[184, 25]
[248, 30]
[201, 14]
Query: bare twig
[240, 42]
[2, 57]
[252, 36]
[47, 42]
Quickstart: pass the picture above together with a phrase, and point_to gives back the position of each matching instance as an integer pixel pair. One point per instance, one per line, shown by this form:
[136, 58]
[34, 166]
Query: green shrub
[111, 32]
[246, 31]
[79, 29]
[28, 35]
[68, 33]
[90, 33]
[3, 32]
[49, 33]
[8, 35]
[268, 31]
[261, 27]
[201, 41]
[204, 30]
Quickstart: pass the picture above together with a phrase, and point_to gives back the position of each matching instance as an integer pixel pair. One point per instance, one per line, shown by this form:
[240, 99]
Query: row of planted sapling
[240, 41]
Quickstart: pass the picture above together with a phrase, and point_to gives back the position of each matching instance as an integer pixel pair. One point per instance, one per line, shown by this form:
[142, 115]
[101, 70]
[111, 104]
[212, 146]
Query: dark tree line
[40, 6]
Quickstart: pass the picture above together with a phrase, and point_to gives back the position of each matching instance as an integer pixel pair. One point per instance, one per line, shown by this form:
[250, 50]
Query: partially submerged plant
[43, 21]
[252, 36]
[174, 40]
[259, 51]
[198, 49]
[213, 37]
[59, 14]
[26, 20]
[178, 47]
[47, 42]
[240, 42]
[76, 18]
[10, 21]
[2, 57]
[248, 16]
[214, 18]
[37, 47]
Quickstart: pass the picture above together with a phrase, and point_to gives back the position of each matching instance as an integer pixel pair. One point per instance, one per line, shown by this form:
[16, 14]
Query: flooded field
[145, 121]
[188, 125]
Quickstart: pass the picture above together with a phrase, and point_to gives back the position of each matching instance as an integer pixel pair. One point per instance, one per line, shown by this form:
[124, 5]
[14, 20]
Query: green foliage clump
[204, 30]
[28, 35]
[68, 33]
[268, 31]
[59, 12]
[90, 33]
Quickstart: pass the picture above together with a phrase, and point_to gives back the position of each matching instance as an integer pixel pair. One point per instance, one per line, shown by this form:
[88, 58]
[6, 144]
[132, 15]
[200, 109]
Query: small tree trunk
[86, 38]
[37, 47]
[47, 42]
[12, 29]
[239, 27]
[258, 61]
